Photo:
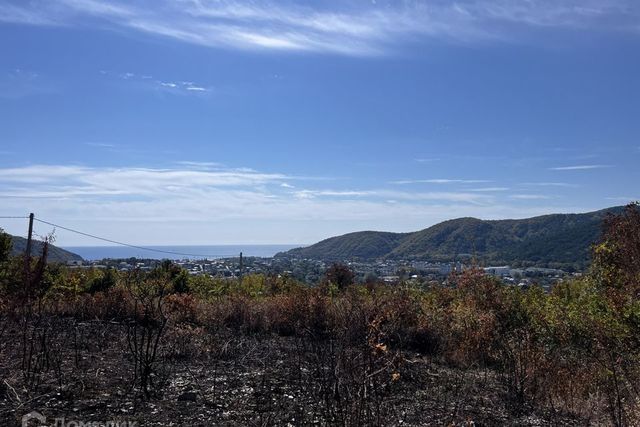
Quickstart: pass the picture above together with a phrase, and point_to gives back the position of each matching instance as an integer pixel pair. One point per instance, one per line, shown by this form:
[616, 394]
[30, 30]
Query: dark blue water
[181, 252]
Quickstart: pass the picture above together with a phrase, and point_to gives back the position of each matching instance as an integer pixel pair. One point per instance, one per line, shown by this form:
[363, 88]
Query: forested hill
[558, 240]
[56, 254]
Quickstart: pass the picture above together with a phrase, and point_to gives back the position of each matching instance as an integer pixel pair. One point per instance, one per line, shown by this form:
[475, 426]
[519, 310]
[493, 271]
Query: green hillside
[56, 254]
[362, 245]
[558, 240]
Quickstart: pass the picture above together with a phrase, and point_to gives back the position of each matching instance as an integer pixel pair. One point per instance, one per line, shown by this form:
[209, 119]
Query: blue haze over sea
[189, 252]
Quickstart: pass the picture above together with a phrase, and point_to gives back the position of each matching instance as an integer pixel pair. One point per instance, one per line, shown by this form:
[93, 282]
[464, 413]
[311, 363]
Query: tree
[616, 259]
[177, 275]
[616, 270]
[104, 282]
[181, 282]
[340, 275]
[5, 246]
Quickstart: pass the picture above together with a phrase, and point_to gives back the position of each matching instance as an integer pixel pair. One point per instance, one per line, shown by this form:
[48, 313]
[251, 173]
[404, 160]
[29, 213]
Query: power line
[14, 217]
[132, 246]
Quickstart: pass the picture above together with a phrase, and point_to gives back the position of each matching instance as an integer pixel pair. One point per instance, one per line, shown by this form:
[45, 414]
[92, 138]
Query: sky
[261, 122]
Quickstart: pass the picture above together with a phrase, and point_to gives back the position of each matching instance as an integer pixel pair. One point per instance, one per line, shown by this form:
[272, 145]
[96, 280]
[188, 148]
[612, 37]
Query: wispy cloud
[148, 81]
[439, 181]
[201, 165]
[550, 184]
[308, 194]
[530, 196]
[383, 194]
[44, 181]
[345, 27]
[489, 189]
[230, 190]
[579, 167]
[100, 145]
[24, 15]
[205, 202]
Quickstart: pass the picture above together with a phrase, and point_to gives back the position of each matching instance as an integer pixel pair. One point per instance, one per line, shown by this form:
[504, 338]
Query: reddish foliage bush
[182, 308]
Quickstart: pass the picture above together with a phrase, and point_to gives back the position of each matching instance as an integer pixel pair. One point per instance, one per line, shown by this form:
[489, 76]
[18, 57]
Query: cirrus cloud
[344, 28]
[205, 202]
[579, 167]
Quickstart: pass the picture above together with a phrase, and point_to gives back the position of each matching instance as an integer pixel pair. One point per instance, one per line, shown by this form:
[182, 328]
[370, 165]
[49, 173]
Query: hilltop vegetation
[56, 254]
[555, 241]
[362, 245]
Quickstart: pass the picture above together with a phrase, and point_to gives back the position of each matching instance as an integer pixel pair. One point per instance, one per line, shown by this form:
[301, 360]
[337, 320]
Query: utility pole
[27, 256]
[28, 251]
[241, 268]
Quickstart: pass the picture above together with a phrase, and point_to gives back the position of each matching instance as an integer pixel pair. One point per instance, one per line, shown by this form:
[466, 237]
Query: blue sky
[212, 122]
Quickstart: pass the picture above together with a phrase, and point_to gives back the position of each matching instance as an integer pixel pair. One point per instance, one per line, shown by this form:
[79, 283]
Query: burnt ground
[231, 378]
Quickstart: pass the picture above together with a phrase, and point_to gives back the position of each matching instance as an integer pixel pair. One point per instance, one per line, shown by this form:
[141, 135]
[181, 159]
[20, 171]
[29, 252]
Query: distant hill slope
[362, 244]
[56, 254]
[558, 240]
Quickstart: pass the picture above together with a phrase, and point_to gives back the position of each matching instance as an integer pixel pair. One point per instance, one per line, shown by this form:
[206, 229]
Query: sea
[91, 253]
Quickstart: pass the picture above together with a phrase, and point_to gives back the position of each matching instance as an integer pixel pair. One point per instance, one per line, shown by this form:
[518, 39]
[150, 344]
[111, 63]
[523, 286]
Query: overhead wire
[144, 248]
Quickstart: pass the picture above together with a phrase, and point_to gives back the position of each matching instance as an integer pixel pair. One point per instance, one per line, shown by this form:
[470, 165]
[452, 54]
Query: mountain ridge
[552, 240]
[56, 254]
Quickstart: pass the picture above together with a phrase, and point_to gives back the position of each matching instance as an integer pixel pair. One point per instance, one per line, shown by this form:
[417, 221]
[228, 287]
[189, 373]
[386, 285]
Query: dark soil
[231, 378]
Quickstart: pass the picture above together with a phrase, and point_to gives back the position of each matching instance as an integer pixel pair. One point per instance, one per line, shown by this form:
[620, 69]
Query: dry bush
[114, 304]
[145, 332]
[42, 350]
[286, 313]
[182, 308]
[350, 367]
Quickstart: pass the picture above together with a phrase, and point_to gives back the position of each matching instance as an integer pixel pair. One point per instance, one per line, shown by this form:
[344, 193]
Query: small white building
[501, 271]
